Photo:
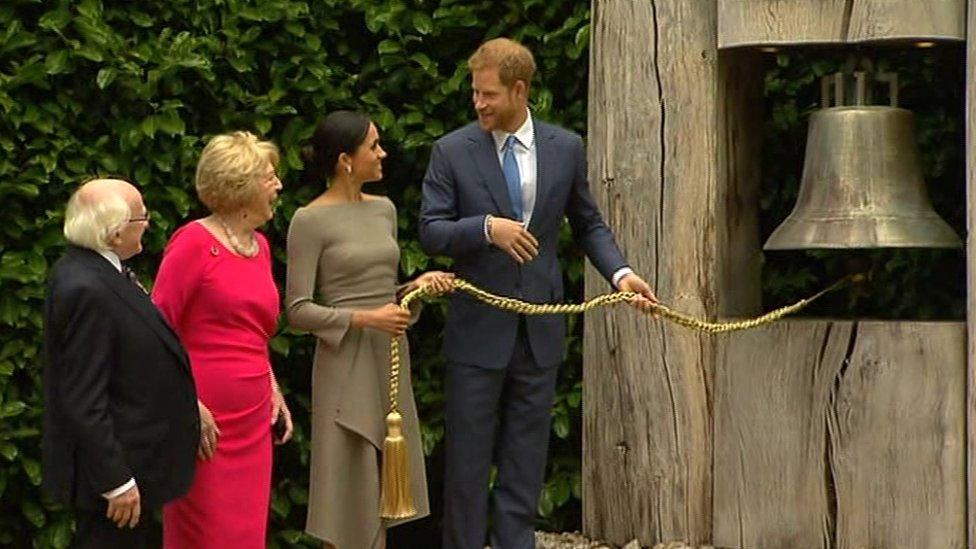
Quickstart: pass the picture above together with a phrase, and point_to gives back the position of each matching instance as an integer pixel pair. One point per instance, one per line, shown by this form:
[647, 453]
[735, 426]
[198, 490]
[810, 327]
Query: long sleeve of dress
[403, 289]
[329, 324]
[179, 277]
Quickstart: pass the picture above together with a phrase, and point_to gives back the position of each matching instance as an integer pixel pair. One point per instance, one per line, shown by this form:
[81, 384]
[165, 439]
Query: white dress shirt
[526, 158]
[113, 258]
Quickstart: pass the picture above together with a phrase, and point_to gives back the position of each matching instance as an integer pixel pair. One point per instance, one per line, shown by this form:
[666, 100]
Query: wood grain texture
[758, 22]
[897, 427]
[652, 149]
[772, 388]
[907, 19]
[738, 255]
[970, 151]
[841, 434]
[781, 22]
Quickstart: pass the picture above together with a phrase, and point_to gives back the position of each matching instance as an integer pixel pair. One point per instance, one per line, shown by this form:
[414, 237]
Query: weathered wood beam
[897, 427]
[738, 253]
[841, 434]
[970, 149]
[652, 148]
[783, 22]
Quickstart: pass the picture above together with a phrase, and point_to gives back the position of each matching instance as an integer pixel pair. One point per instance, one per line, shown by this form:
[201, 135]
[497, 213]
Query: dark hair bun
[339, 132]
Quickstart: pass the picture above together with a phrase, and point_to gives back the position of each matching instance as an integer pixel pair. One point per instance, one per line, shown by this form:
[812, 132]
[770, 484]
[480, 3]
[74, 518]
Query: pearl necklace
[250, 250]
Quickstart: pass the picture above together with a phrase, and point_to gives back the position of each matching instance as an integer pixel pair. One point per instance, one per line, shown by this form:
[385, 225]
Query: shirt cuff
[619, 275]
[120, 490]
[487, 236]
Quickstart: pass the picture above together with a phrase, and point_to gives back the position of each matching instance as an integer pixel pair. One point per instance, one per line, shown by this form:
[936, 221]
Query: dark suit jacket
[119, 396]
[464, 182]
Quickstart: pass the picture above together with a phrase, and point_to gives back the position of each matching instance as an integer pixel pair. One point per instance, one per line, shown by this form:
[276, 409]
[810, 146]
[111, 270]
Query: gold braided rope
[404, 508]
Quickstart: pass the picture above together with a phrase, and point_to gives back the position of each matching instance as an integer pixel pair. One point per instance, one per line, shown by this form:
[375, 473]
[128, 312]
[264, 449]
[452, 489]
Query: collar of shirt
[112, 258]
[525, 135]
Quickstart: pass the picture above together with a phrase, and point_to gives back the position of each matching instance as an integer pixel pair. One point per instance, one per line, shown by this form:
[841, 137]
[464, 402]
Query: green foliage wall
[135, 88]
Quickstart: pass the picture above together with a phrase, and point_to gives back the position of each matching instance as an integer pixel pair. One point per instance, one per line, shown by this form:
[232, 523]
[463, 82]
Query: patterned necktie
[512, 177]
[131, 276]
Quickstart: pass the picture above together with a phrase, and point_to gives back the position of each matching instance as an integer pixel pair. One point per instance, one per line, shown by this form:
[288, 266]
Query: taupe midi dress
[343, 257]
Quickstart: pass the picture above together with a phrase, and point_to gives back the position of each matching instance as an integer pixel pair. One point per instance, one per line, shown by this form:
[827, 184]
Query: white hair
[90, 221]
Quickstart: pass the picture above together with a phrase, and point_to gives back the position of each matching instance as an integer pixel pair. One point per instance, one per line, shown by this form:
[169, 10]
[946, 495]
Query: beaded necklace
[250, 250]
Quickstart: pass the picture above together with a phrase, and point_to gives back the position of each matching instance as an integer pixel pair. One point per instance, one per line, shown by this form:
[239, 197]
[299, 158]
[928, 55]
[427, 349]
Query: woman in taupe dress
[341, 287]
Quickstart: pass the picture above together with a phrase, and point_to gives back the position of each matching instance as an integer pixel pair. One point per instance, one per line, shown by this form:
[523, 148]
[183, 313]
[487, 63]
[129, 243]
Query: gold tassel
[396, 499]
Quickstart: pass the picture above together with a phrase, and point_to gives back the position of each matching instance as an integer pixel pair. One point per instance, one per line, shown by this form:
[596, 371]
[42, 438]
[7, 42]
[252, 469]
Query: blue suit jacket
[463, 184]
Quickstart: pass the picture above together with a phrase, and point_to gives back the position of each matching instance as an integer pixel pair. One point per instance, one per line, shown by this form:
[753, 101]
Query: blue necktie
[512, 177]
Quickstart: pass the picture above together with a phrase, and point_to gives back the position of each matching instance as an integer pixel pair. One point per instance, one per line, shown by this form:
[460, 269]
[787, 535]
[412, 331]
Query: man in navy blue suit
[494, 198]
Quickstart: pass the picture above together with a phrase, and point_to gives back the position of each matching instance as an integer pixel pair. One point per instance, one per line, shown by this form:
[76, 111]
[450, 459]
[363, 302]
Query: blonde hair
[513, 60]
[90, 220]
[230, 167]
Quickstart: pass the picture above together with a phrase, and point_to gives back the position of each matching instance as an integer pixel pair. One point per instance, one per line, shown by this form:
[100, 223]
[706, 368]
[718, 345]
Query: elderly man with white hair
[121, 423]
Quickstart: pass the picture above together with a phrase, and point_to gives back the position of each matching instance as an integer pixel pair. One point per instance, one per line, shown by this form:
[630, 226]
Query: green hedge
[134, 89]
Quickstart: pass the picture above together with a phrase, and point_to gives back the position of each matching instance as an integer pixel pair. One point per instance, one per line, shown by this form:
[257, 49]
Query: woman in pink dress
[216, 289]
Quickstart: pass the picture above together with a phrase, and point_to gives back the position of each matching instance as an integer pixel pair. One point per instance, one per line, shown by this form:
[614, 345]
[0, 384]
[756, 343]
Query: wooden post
[803, 434]
[772, 22]
[772, 388]
[790, 22]
[652, 148]
[738, 253]
[971, 271]
[906, 19]
[841, 434]
[896, 425]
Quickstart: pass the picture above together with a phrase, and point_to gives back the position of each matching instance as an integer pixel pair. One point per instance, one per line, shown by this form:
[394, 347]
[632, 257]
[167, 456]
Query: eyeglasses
[142, 218]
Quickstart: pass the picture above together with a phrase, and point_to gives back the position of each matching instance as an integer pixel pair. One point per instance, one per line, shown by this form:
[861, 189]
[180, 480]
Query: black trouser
[95, 531]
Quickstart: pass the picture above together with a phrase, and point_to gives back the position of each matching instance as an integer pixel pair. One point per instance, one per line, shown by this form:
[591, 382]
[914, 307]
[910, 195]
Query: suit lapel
[138, 301]
[482, 149]
[543, 182]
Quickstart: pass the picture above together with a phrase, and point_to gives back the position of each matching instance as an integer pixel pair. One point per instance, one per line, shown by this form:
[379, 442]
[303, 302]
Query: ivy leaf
[545, 506]
[280, 505]
[170, 123]
[8, 451]
[279, 345]
[389, 46]
[148, 126]
[12, 409]
[423, 23]
[33, 470]
[61, 536]
[560, 425]
[57, 62]
[425, 62]
[33, 512]
[141, 19]
[292, 537]
[55, 20]
[105, 77]
[91, 54]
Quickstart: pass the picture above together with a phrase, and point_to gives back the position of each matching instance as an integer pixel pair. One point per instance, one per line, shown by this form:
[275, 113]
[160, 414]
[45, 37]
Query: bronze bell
[862, 185]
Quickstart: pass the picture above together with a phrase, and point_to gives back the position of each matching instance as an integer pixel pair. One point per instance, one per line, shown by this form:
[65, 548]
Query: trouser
[95, 531]
[502, 414]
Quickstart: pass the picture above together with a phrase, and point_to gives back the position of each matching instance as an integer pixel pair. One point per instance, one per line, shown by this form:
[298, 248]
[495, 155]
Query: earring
[349, 169]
